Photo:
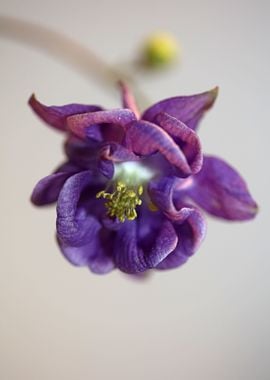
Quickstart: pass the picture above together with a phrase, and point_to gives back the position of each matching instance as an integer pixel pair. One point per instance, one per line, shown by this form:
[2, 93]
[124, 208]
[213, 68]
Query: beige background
[206, 321]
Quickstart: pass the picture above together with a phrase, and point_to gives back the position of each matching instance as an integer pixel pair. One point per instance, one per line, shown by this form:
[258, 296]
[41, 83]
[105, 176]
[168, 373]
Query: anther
[122, 203]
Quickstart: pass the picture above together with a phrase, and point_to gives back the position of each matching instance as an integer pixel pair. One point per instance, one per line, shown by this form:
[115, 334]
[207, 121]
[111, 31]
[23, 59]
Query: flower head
[126, 195]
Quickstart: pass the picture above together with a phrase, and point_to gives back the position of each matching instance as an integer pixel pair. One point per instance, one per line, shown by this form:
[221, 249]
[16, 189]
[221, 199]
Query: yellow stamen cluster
[122, 203]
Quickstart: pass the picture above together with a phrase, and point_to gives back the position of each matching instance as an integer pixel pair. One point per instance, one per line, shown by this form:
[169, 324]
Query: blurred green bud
[160, 49]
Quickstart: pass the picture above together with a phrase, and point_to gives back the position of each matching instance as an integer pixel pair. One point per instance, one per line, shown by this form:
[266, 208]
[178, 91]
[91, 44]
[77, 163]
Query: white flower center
[133, 173]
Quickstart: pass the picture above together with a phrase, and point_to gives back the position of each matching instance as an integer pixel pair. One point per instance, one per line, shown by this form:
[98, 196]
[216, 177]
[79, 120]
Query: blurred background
[207, 320]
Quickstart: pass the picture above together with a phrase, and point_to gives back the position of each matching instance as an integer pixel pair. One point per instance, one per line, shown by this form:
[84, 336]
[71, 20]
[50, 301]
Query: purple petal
[145, 138]
[191, 229]
[130, 257]
[128, 99]
[111, 224]
[174, 260]
[79, 255]
[117, 153]
[93, 254]
[162, 193]
[188, 221]
[83, 153]
[47, 189]
[80, 124]
[106, 168]
[183, 134]
[167, 197]
[101, 264]
[221, 191]
[111, 153]
[82, 238]
[56, 116]
[75, 227]
[188, 109]
[89, 155]
[190, 234]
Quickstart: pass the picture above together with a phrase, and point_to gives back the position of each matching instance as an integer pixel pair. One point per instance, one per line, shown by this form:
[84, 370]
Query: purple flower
[126, 194]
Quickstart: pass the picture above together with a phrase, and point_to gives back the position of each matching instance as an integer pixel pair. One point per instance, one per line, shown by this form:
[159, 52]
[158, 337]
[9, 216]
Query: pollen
[122, 203]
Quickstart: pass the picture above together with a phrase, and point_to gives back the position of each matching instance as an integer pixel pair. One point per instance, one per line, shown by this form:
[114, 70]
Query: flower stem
[66, 49]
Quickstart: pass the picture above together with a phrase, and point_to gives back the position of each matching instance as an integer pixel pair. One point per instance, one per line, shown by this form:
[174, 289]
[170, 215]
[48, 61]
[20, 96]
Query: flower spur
[126, 194]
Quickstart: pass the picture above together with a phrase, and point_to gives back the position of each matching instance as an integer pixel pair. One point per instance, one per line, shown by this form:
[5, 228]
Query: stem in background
[66, 49]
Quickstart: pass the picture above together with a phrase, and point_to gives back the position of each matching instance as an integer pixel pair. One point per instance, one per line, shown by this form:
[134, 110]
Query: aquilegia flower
[126, 195]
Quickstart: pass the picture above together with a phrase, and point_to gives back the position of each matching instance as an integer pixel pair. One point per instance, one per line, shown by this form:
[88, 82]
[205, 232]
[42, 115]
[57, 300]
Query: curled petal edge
[72, 229]
[179, 131]
[145, 139]
[130, 258]
[78, 124]
[188, 109]
[56, 116]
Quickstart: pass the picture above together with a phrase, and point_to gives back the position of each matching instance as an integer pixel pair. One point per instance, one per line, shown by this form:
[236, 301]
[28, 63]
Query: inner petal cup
[132, 258]
[78, 124]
